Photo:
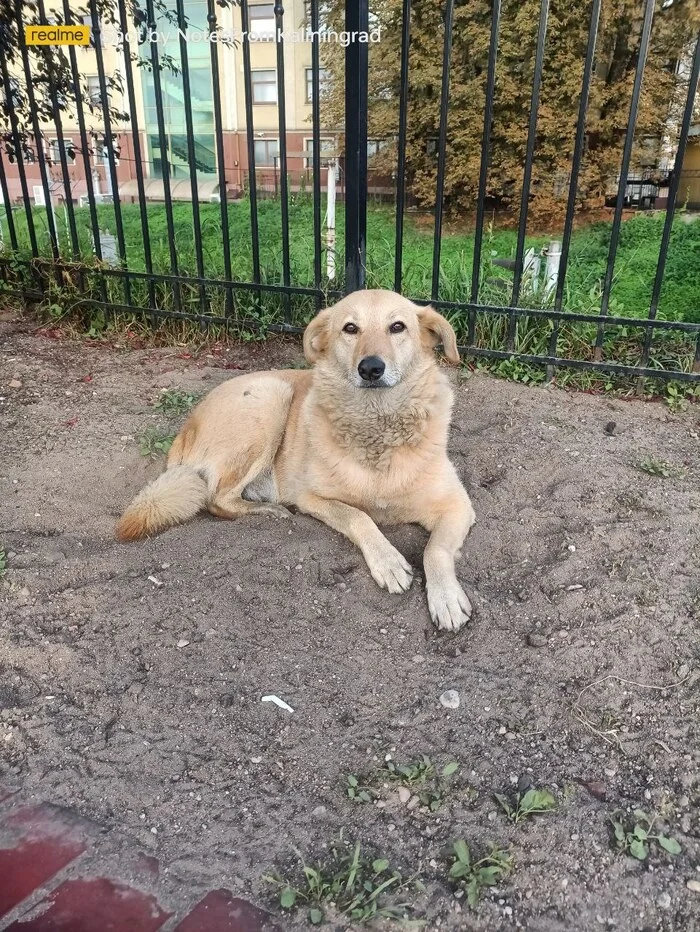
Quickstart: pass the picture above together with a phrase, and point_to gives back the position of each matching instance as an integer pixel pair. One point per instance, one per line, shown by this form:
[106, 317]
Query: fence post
[356, 66]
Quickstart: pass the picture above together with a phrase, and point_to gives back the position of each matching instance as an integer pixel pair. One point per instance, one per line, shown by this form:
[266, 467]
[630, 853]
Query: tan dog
[361, 438]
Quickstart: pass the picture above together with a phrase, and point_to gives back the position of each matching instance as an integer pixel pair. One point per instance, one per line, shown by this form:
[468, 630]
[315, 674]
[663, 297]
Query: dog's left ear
[436, 329]
[316, 336]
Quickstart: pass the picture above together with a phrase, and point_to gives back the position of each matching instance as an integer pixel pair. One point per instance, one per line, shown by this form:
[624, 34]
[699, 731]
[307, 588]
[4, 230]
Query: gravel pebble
[450, 699]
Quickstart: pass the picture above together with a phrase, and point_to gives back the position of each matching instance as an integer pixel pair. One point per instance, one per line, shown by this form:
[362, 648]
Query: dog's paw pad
[449, 608]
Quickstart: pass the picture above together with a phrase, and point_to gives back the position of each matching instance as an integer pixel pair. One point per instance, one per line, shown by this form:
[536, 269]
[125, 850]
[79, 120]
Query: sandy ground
[579, 672]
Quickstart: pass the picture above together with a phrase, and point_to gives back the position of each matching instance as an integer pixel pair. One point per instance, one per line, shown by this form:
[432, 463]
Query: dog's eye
[350, 328]
[397, 327]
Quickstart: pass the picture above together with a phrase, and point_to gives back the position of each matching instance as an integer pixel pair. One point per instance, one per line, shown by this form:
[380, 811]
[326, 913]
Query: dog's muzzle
[371, 369]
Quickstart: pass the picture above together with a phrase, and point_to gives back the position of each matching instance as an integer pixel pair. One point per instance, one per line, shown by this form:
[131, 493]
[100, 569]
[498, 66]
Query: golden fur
[351, 454]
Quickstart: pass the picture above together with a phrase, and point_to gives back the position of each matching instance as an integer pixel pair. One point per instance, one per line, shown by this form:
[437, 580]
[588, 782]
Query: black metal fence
[134, 261]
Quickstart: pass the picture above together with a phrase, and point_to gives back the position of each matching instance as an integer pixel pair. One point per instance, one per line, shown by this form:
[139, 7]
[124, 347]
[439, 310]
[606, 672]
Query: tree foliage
[662, 98]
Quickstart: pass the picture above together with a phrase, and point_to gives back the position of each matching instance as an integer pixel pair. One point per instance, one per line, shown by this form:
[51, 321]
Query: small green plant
[524, 805]
[421, 776]
[657, 467]
[676, 399]
[350, 883]
[359, 793]
[473, 876]
[174, 402]
[413, 774]
[633, 834]
[3, 562]
[154, 442]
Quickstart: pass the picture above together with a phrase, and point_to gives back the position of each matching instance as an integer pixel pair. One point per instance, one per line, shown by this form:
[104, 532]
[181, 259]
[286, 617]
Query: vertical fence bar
[85, 149]
[575, 171]
[624, 169]
[284, 179]
[109, 145]
[356, 69]
[442, 147]
[527, 174]
[8, 203]
[191, 154]
[58, 123]
[19, 157]
[250, 141]
[316, 143]
[36, 131]
[220, 154]
[484, 167]
[672, 196]
[401, 162]
[138, 157]
[164, 153]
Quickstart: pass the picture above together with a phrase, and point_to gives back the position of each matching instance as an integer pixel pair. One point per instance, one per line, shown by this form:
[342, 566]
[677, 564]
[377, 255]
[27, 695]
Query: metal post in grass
[220, 154]
[527, 174]
[401, 161]
[191, 154]
[356, 71]
[316, 144]
[8, 205]
[250, 143]
[138, 157]
[624, 170]
[442, 147]
[484, 167]
[575, 171]
[109, 141]
[671, 205]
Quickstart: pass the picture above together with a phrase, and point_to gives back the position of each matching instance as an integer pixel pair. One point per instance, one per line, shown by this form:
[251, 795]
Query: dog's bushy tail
[175, 496]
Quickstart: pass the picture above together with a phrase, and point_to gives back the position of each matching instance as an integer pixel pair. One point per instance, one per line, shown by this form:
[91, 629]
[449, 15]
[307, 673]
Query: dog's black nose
[371, 368]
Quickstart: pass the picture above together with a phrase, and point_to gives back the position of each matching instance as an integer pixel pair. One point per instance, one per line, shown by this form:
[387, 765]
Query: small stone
[492, 816]
[610, 771]
[502, 730]
[318, 812]
[694, 885]
[683, 802]
[536, 640]
[597, 789]
[404, 795]
[563, 633]
[450, 699]
[182, 643]
[419, 658]
[571, 548]
[663, 901]
[413, 803]
[255, 760]
[15, 383]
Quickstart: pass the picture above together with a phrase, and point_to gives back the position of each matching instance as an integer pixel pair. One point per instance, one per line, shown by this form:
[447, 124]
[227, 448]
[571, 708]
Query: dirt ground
[579, 672]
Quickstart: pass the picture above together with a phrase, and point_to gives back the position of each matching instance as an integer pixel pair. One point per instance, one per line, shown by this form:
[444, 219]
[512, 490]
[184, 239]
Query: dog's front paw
[449, 606]
[390, 571]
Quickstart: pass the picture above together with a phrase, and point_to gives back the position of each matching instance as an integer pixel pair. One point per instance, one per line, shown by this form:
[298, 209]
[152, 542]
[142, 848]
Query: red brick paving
[47, 850]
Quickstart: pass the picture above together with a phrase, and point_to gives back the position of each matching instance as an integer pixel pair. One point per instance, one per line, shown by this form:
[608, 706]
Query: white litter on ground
[280, 702]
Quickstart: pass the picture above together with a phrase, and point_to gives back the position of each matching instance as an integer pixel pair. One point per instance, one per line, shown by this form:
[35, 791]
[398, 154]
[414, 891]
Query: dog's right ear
[316, 336]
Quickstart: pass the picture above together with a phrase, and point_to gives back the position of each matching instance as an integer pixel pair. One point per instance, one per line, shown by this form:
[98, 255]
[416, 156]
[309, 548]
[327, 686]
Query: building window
[375, 145]
[262, 21]
[266, 151]
[322, 83]
[93, 90]
[55, 151]
[327, 145]
[264, 86]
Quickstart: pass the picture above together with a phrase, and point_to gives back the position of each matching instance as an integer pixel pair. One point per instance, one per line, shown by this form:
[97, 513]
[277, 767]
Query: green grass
[631, 293]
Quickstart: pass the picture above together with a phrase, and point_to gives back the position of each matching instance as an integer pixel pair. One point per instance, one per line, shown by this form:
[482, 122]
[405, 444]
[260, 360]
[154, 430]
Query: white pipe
[551, 274]
[330, 222]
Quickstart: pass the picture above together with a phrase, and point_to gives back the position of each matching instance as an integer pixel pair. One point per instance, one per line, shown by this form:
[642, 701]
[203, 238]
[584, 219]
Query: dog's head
[377, 338]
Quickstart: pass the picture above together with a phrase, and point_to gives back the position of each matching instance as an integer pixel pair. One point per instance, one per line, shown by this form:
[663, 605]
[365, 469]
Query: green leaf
[461, 849]
[450, 768]
[380, 865]
[489, 875]
[538, 800]
[315, 917]
[638, 850]
[620, 833]
[352, 781]
[669, 844]
[504, 803]
[640, 833]
[473, 892]
[458, 869]
[288, 898]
